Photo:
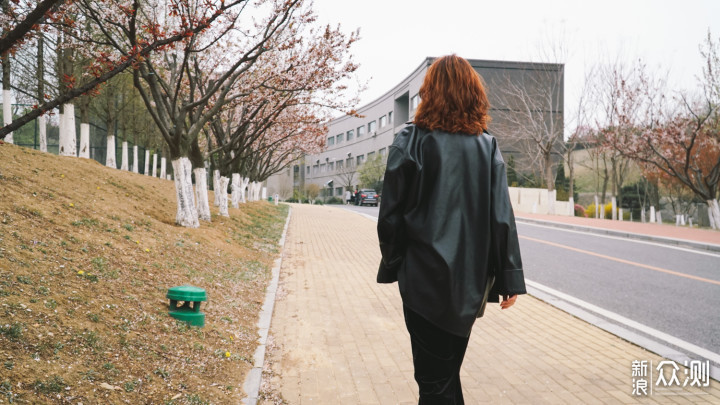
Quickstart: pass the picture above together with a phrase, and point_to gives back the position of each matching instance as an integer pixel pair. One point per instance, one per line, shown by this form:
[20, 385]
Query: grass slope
[87, 254]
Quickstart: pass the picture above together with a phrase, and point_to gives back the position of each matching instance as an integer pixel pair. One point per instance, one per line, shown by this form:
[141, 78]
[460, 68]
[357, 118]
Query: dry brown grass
[87, 254]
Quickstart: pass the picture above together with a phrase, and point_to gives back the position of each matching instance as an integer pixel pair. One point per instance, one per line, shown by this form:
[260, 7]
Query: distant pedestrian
[357, 197]
[348, 197]
[446, 227]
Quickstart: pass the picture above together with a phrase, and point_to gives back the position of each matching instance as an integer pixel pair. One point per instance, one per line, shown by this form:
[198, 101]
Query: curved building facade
[351, 141]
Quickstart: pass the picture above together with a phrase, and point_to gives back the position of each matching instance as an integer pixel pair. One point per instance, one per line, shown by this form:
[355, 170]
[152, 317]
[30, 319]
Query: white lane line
[621, 238]
[687, 346]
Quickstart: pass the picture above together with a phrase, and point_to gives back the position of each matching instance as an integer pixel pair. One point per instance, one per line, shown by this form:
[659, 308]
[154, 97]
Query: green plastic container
[190, 310]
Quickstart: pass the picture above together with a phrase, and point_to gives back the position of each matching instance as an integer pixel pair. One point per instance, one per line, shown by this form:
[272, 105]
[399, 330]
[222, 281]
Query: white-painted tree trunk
[42, 133]
[124, 157]
[135, 168]
[222, 192]
[154, 168]
[642, 214]
[163, 168]
[236, 190]
[243, 190]
[67, 145]
[110, 152]
[201, 194]
[597, 207]
[147, 163]
[216, 187]
[571, 200]
[653, 217]
[84, 151]
[613, 204]
[264, 193]
[714, 213]
[187, 215]
[7, 113]
[256, 190]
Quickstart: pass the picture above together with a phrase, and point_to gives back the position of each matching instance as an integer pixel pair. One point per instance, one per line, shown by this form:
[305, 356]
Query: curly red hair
[453, 98]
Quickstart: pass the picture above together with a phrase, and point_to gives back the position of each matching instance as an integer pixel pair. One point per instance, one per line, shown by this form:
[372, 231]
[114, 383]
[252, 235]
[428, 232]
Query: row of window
[329, 167]
[371, 128]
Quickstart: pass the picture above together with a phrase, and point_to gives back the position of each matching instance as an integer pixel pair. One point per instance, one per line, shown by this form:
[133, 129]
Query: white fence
[539, 201]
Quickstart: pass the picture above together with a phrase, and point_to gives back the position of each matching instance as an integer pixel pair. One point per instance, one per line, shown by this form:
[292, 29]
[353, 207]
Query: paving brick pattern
[341, 337]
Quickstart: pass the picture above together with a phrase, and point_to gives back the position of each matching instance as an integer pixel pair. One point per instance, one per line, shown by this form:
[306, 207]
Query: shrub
[318, 201]
[580, 211]
[333, 200]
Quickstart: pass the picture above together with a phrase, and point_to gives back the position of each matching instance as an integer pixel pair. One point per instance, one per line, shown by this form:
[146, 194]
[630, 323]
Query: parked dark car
[367, 196]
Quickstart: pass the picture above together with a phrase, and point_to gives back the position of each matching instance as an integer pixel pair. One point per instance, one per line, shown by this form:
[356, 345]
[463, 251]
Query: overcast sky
[396, 35]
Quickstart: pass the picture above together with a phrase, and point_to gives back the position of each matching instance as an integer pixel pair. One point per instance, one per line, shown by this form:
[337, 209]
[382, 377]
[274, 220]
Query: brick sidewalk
[661, 230]
[341, 337]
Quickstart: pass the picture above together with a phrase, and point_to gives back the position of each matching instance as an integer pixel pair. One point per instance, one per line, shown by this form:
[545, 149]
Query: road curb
[254, 376]
[623, 234]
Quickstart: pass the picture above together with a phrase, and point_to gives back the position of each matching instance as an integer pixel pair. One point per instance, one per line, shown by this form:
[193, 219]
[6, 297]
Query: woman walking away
[446, 227]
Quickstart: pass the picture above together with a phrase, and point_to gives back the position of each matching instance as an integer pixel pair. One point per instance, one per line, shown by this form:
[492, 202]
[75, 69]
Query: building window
[339, 138]
[372, 126]
[331, 141]
[322, 168]
[315, 169]
[331, 166]
[308, 170]
[390, 121]
[338, 190]
[339, 164]
[414, 102]
[349, 162]
[360, 160]
[361, 131]
[383, 121]
[350, 135]
[382, 151]
[371, 155]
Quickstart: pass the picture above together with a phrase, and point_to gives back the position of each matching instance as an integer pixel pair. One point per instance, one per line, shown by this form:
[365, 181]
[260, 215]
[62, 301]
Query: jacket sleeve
[505, 260]
[391, 226]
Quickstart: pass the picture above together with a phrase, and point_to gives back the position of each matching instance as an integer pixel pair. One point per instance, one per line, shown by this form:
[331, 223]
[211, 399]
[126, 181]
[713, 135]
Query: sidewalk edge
[254, 376]
[623, 234]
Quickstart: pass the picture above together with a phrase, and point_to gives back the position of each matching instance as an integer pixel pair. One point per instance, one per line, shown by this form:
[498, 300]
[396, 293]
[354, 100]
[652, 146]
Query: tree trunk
[549, 179]
[147, 163]
[236, 190]
[154, 167]
[135, 159]
[221, 192]
[187, 215]
[84, 151]
[84, 140]
[201, 194]
[42, 132]
[40, 77]
[110, 150]
[163, 168]
[714, 213]
[124, 157]
[7, 96]
[7, 110]
[243, 189]
[216, 186]
[68, 138]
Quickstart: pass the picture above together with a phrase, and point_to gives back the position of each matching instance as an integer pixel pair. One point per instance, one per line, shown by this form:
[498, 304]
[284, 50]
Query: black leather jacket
[446, 227]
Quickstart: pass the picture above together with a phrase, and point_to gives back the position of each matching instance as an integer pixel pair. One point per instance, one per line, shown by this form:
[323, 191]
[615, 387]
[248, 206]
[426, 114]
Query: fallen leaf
[176, 396]
[108, 386]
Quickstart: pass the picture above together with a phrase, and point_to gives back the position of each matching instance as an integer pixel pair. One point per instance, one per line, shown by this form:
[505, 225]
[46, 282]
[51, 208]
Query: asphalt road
[676, 291]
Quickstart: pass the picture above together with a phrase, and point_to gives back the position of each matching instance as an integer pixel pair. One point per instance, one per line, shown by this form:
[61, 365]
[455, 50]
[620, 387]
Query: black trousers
[437, 357]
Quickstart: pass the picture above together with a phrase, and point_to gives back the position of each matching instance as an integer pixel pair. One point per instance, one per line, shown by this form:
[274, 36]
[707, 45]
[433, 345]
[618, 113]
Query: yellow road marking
[616, 259]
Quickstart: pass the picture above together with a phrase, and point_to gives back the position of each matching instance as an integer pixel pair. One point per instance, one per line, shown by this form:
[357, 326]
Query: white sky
[396, 35]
